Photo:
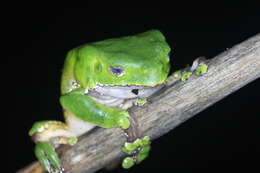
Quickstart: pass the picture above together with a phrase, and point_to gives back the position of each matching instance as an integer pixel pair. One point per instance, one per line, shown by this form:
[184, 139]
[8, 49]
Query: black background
[223, 137]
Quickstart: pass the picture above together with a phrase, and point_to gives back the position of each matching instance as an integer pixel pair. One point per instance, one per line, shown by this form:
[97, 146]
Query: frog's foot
[137, 151]
[199, 67]
[48, 135]
[136, 147]
[48, 158]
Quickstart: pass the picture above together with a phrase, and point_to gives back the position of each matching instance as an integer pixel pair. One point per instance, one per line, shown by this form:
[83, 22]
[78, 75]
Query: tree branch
[179, 101]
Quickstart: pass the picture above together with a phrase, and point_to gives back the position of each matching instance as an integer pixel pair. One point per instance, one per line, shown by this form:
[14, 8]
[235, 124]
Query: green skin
[143, 62]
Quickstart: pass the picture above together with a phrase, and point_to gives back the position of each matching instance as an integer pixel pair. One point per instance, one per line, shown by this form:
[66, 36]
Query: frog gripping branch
[99, 83]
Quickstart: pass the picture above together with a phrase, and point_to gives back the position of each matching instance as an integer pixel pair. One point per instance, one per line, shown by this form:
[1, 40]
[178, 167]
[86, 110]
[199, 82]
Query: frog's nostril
[135, 91]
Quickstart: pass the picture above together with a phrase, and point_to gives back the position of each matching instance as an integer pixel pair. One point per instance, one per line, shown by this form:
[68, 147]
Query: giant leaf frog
[100, 82]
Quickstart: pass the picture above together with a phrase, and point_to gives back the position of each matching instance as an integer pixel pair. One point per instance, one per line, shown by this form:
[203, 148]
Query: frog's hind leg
[48, 135]
[50, 131]
[136, 147]
[199, 67]
[43, 131]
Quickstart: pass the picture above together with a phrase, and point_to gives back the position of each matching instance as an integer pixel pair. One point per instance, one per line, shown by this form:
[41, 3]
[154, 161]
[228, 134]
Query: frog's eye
[117, 71]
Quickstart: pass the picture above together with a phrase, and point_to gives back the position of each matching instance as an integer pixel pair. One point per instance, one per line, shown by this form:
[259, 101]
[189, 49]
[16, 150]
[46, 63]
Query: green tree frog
[99, 82]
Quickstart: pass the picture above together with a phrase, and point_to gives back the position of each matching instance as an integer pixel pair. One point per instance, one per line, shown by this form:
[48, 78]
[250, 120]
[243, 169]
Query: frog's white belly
[77, 126]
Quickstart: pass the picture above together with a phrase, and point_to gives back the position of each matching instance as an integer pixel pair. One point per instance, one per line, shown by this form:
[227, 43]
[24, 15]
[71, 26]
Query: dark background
[223, 137]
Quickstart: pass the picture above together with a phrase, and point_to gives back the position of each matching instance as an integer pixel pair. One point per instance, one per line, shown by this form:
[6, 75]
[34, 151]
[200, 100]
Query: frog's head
[134, 60]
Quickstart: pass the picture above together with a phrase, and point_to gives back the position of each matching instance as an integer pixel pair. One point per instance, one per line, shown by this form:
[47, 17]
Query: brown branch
[227, 72]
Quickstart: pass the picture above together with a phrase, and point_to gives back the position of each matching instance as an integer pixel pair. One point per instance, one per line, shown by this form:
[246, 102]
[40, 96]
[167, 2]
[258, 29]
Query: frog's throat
[127, 91]
[129, 85]
[122, 97]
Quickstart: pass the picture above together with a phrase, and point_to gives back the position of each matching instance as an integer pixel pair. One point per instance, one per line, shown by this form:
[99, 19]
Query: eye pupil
[117, 71]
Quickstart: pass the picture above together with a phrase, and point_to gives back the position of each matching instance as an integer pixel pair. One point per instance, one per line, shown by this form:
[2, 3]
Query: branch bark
[179, 101]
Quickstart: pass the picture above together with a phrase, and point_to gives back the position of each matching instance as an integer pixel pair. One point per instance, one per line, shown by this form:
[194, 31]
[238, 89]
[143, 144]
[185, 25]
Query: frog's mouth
[127, 91]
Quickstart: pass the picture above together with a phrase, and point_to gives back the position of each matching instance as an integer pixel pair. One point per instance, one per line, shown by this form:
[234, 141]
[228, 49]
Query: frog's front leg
[48, 135]
[88, 110]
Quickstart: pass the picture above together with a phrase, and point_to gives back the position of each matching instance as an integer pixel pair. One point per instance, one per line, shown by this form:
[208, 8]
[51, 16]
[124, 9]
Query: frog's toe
[123, 120]
[138, 151]
[186, 76]
[199, 66]
[201, 69]
[47, 157]
[143, 153]
[128, 162]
